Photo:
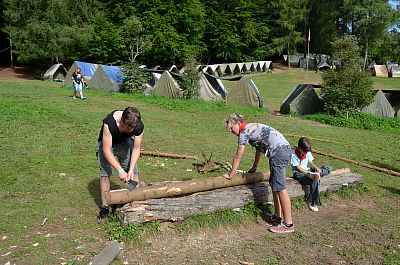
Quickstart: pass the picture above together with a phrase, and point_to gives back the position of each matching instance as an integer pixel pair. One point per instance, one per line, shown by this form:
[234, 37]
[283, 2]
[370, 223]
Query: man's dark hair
[131, 117]
[304, 144]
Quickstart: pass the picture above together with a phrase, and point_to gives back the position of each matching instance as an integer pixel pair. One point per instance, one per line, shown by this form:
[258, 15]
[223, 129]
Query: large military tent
[87, 69]
[166, 86]
[56, 72]
[323, 65]
[393, 96]
[294, 59]
[380, 71]
[395, 71]
[245, 93]
[308, 63]
[217, 84]
[207, 91]
[154, 79]
[265, 65]
[303, 99]
[380, 106]
[107, 77]
[222, 68]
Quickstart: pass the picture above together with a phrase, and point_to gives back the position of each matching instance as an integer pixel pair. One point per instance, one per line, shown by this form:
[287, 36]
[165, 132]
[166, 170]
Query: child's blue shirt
[295, 160]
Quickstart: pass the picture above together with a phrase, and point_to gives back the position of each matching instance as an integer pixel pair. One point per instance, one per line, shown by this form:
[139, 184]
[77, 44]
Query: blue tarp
[87, 69]
[114, 73]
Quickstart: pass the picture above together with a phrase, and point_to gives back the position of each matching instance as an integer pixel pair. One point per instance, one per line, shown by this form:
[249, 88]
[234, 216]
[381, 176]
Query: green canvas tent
[245, 93]
[207, 91]
[166, 86]
[380, 107]
[303, 99]
[56, 72]
[107, 77]
[393, 96]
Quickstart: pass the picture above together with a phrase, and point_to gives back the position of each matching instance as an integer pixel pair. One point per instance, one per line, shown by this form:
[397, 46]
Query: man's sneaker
[73, 97]
[83, 98]
[272, 219]
[282, 228]
[104, 211]
[314, 176]
[313, 208]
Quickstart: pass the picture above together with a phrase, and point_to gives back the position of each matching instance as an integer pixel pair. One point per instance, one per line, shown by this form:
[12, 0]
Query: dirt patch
[19, 72]
[334, 235]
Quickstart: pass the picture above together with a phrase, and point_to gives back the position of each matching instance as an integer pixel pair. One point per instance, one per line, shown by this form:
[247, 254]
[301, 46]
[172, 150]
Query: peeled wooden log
[163, 190]
[179, 208]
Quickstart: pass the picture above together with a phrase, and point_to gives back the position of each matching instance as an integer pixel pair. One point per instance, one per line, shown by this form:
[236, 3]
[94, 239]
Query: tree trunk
[170, 155]
[366, 52]
[179, 208]
[161, 190]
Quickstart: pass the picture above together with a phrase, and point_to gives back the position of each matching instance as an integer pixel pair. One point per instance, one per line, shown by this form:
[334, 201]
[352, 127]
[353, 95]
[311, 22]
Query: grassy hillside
[49, 174]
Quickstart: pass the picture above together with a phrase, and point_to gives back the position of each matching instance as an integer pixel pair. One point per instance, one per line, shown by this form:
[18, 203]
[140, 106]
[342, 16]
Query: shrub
[135, 78]
[347, 88]
[190, 80]
[359, 120]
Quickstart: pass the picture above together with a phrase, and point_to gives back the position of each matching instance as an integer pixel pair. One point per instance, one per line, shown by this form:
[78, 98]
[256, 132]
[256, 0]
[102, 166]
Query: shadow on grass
[94, 189]
[391, 189]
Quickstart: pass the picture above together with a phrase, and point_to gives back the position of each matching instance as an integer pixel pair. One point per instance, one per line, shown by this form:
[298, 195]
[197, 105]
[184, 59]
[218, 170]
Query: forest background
[44, 32]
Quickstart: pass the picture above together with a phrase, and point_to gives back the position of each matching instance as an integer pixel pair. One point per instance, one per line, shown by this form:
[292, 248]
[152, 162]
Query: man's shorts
[121, 151]
[278, 164]
[78, 87]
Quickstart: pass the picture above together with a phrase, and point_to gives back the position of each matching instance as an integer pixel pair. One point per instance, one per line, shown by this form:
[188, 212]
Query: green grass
[49, 170]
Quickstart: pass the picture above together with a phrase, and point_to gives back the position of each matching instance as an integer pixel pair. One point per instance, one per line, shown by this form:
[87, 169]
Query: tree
[348, 87]
[370, 20]
[48, 30]
[133, 31]
[135, 78]
[107, 45]
[290, 16]
[236, 29]
[190, 79]
[175, 27]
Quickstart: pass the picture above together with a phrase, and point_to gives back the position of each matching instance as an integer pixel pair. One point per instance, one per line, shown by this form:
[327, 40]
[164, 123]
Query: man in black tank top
[115, 148]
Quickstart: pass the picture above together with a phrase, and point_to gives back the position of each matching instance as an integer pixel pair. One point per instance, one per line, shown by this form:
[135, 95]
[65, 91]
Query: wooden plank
[112, 250]
[179, 208]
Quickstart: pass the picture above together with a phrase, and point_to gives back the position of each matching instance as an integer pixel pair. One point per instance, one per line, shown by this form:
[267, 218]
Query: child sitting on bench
[309, 177]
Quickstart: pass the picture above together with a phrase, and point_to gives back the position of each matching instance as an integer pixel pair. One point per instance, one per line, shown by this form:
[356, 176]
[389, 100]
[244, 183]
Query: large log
[179, 208]
[172, 189]
[169, 155]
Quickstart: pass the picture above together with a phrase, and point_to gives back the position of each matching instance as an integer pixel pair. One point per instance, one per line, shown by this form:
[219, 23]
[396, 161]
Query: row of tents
[384, 70]
[305, 99]
[238, 68]
[211, 89]
[96, 75]
[163, 83]
[310, 61]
